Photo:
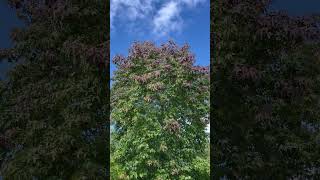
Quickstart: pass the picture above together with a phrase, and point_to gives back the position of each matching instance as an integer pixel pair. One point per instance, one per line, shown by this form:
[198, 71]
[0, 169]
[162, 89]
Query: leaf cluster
[160, 107]
[265, 92]
[56, 98]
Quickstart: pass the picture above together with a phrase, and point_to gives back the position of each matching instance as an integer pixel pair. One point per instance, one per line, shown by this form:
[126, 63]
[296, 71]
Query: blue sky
[184, 21]
[8, 20]
[297, 7]
[141, 20]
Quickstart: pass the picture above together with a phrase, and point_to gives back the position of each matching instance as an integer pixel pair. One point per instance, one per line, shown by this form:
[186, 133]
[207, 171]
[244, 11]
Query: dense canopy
[265, 96]
[160, 106]
[54, 107]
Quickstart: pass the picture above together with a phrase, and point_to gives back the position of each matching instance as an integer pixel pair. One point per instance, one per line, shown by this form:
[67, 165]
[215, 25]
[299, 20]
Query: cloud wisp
[167, 19]
[161, 17]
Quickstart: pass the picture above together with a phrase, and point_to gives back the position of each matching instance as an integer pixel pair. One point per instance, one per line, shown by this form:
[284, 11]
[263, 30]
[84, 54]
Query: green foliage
[55, 101]
[160, 107]
[201, 168]
[265, 94]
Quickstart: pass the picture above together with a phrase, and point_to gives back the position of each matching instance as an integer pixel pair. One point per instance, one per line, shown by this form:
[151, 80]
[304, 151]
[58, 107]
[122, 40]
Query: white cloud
[167, 19]
[161, 21]
[129, 9]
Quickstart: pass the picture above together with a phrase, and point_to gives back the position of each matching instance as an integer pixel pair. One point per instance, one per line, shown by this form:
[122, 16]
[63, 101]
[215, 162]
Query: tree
[56, 98]
[160, 106]
[265, 96]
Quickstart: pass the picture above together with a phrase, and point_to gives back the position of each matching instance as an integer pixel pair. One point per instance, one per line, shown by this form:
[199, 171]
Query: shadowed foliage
[54, 107]
[265, 92]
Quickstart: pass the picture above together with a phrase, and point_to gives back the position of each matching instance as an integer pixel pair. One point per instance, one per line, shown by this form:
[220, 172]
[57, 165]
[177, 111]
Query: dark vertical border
[107, 84]
[212, 44]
